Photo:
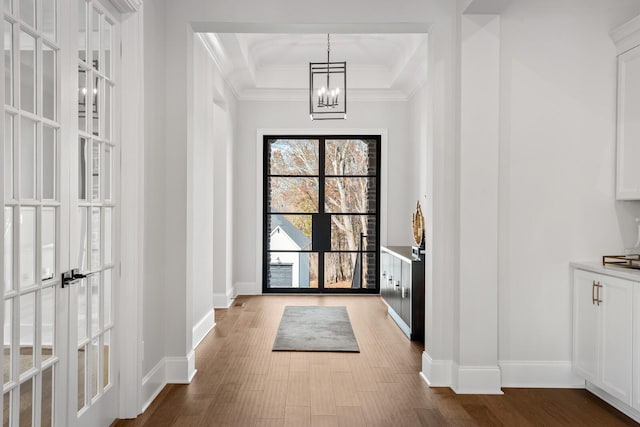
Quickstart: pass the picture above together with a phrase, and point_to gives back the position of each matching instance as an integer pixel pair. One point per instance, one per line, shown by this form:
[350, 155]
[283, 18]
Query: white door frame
[130, 308]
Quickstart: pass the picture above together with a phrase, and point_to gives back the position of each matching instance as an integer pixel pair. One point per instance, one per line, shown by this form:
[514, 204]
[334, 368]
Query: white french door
[61, 167]
[94, 165]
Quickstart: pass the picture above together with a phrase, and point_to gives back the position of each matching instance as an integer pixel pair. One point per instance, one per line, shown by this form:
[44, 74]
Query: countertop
[404, 252]
[610, 270]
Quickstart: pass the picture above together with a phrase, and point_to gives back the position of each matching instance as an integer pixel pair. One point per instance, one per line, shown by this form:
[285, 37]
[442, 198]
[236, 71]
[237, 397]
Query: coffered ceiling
[276, 66]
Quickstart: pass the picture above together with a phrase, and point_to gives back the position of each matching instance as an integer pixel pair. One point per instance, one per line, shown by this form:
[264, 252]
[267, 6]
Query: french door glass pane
[95, 303]
[8, 156]
[108, 166]
[82, 310]
[108, 250]
[95, 171]
[98, 89]
[95, 238]
[46, 411]
[48, 323]
[28, 12]
[48, 243]
[27, 247]
[7, 365]
[107, 297]
[349, 157]
[293, 157]
[28, 159]
[27, 72]
[27, 331]
[83, 165]
[346, 232]
[106, 369]
[82, 30]
[350, 195]
[8, 249]
[48, 26]
[294, 195]
[6, 403]
[107, 40]
[95, 364]
[82, 98]
[8, 63]
[81, 237]
[8, 7]
[26, 403]
[107, 111]
[82, 376]
[95, 38]
[48, 82]
[49, 157]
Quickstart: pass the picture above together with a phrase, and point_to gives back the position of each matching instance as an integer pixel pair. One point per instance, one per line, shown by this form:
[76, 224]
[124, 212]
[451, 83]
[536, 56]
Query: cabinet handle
[593, 293]
[599, 286]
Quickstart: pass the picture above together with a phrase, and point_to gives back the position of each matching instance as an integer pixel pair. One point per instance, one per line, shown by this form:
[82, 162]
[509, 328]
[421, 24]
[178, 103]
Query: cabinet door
[405, 293]
[628, 153]
[636, 346]
[385, 273]
[395, 286]
[616, 334]
[585, 326]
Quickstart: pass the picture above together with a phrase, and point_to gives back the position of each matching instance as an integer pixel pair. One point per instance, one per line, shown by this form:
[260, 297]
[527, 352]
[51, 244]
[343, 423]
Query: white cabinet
[627, 39]
[636, 350]
[603, 331]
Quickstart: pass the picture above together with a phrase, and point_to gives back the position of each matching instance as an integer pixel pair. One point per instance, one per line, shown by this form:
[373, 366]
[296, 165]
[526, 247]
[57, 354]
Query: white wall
[557, 169]
[155, 193]
[200, 185]
[294, 115]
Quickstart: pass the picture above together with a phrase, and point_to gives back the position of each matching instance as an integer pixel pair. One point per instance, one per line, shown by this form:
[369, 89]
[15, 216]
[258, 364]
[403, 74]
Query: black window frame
[321, 209]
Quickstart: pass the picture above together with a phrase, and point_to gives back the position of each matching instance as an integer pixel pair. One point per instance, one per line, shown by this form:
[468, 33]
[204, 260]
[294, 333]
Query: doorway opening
[321, 214]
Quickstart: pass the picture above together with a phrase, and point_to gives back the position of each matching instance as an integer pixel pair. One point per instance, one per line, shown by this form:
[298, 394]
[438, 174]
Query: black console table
[402, 288]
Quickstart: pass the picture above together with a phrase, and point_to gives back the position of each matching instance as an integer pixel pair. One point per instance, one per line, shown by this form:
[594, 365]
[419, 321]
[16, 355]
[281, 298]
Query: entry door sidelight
[321, 214]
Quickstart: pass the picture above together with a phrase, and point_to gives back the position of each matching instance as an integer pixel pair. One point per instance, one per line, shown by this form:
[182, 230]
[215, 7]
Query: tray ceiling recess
[385, 67]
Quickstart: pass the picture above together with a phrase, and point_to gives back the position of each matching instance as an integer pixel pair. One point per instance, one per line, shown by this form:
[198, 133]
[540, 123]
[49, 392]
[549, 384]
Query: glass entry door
[321, 214]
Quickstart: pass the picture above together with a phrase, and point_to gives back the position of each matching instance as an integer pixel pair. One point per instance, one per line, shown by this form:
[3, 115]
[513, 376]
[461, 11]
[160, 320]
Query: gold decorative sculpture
[417, 220]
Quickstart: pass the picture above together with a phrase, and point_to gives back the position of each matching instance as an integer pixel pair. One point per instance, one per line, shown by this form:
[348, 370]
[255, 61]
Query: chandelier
[328, 89]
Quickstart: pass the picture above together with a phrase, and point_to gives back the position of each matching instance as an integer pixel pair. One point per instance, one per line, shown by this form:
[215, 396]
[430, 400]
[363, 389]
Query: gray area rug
[312, 328]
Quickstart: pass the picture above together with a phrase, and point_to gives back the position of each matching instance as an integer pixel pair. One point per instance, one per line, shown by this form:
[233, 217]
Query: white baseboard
[616, 403]
[539, 374]
[436, 373]
[152, 384]
[248, 288]
[169, 370]
[180, 370]
[476, 379]
[222, 300]
[203, 327]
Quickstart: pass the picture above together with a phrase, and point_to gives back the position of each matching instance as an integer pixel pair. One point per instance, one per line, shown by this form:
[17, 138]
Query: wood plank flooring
[241, 382]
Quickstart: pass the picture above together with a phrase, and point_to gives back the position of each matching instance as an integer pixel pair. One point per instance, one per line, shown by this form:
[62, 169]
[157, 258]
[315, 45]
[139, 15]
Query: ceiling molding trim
[127, 6]
[215, 55]
[359, 95]
[627, 35]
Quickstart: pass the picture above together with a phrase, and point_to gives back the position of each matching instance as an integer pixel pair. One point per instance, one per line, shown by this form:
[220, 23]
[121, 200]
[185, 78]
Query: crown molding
[127, 6]
[627, 35]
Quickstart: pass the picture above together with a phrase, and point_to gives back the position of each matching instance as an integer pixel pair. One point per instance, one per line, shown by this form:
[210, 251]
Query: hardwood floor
[241, 382]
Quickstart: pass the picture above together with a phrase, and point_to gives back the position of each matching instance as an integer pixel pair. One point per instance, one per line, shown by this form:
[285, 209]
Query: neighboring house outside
[288, 269]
